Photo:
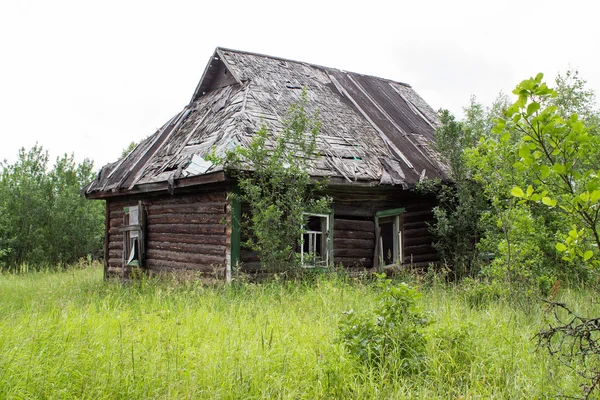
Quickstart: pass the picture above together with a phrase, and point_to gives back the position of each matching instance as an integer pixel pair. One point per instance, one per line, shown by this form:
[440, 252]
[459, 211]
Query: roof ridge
[225, 49]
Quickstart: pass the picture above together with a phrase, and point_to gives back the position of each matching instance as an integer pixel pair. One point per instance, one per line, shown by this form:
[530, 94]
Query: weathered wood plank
[200, 207]
[343, 243]
[114, 254]
[414, 225]
[417, 240]
[345, 210]
[114, 245]
[204, 259]
[207, 197]
[419, 249]
[416, 232]
[348, 224]
[348, 234]
[185, 219]
[187, 228]
[186, 238]
[353, 253]
[204, 249]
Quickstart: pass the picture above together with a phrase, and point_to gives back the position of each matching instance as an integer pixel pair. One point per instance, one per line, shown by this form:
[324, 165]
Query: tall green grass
[72, 335]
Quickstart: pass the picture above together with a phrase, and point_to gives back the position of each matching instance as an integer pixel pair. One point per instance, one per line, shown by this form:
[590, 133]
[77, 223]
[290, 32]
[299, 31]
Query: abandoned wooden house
[168, 210]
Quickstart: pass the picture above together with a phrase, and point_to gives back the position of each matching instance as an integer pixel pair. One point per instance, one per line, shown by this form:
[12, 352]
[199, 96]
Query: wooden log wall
[185, 234]
[354, 226]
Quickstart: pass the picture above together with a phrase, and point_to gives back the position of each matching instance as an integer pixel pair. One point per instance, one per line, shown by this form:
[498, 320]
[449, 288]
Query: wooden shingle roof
[373, 131]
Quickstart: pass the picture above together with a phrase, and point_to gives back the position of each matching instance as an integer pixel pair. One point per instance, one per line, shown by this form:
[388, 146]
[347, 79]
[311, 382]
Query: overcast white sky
[90, 77]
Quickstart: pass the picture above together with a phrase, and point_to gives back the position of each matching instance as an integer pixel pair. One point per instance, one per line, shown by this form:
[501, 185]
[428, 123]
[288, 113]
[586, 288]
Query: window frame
[327, 240]
[398, 237]
[139, 239]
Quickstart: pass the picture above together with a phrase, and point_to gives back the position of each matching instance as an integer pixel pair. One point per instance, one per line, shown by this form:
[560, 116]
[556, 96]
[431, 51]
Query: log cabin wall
[354, 226]
[185, 234]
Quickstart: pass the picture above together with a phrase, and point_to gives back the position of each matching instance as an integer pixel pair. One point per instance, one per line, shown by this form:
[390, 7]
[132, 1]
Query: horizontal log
[343, 243]
[414, 225]
[115, 245]
[348, 224]
[117, 214]
[115, 262]
[185, 219]
[425, 215]
[416, 232]
[357, 253]
[353, 262]
[209, 197]
[186, 238]
[346, 210]
[116, 254]
[204, 207]
[217, 250]
[419, 249]
[204, 259]
[344, 234]
[157, 266]
[115, 223]
[115, 237]
[187, 228]
[417, 240]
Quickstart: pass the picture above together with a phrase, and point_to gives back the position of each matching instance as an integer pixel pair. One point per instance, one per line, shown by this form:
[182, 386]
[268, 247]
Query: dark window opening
[386, 235]
[389, 240]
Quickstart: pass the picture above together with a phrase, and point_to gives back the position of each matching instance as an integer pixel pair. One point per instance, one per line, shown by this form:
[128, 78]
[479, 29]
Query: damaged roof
[373, 131]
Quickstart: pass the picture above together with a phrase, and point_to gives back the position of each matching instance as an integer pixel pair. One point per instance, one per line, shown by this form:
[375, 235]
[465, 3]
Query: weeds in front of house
[72, 335]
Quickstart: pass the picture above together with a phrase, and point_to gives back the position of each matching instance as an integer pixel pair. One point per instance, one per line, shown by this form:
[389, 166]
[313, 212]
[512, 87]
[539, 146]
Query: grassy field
[72, 335]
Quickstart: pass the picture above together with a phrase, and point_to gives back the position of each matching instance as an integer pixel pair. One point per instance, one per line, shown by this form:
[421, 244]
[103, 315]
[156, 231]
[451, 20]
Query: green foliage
[559, 156]
[45, 221]
[274, 180]
[483, 293]
[392, 335]
[456, 227]
[128, 149]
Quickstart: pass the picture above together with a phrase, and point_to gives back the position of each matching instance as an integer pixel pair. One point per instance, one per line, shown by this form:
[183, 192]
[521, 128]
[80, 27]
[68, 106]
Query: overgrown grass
[72, 335]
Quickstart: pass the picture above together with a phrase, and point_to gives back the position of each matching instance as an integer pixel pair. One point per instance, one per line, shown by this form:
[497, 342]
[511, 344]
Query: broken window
[388, 225]
[315, 241]
[133, 236]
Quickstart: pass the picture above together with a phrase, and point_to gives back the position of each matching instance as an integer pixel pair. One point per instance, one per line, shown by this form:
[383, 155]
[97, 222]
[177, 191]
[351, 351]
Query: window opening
[315, 241]
[389, 242]
[133, 236]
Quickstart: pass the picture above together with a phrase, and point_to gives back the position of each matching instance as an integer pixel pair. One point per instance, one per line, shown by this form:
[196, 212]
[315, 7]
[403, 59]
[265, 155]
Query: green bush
[392, 334]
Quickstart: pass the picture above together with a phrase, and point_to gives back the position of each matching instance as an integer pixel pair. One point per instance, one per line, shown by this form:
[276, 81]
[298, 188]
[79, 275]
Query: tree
[562, 155]
[273, 174]
[128, 149]
[45, 221]
[456, 217]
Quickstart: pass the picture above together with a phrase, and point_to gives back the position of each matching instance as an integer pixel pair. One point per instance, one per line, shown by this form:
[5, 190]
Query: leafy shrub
[480, 293]
[393, 334]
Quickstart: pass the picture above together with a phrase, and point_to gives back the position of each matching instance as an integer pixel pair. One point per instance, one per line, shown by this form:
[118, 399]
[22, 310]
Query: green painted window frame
[398, 240]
